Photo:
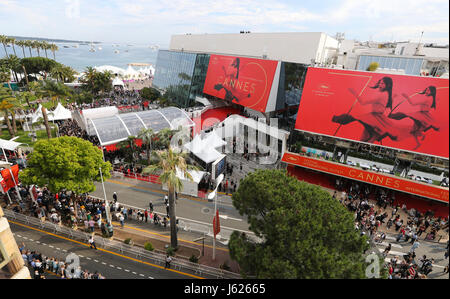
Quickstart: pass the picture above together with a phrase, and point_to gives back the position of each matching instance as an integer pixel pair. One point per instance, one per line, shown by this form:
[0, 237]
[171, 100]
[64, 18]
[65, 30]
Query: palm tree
[29, 44]
[36, 45]
[12, 41]
[45, 46]
[147, 136]
[129, 145]
[6, 98]
[22, 44]
[47, 126]
[13, 63]
[37, 89]
[5, 75]
[4, 41]
[169, 162]
[163, 138]
[54, 48]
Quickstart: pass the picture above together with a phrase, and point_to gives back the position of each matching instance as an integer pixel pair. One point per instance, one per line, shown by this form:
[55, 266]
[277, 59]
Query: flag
[216, 224]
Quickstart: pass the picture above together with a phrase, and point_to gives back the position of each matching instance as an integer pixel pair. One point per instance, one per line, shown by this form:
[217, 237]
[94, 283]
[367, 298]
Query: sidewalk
[159, 237]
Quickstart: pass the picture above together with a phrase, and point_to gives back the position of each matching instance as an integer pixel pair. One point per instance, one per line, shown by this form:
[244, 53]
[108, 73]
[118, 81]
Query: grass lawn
[24, 138]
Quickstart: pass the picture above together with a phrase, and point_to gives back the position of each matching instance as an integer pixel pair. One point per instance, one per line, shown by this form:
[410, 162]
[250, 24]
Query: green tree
[96, 82]
[147, 136]
[4, 41]
[129, 147]
[150, 94]
[168, 163]
[38, 65]
[6, 100]
[304, 232]
[65, 163]
[54, 48]
[22, 44]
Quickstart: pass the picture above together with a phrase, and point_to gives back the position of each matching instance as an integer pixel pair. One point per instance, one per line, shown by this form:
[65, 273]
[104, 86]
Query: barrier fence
[131, 250]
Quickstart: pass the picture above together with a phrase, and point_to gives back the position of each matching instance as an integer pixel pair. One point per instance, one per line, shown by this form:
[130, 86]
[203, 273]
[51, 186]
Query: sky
[154, 21]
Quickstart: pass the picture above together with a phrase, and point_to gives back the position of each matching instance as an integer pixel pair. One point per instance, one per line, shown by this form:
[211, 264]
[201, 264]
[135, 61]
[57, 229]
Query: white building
[297, 47]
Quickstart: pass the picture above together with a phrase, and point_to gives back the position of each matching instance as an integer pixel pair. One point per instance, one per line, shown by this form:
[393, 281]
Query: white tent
[60, 113]
[110, 68]
[205, 148]
[118, 82]
[131, 73]
[9, 144]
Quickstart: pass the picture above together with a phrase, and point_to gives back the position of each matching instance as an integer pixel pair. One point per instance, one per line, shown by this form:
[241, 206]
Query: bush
[193, 259]
[148, 246]
[170, 251]
[128, 241]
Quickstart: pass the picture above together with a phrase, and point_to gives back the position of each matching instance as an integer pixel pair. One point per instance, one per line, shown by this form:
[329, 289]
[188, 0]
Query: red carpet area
[411, 201]
[213, 116]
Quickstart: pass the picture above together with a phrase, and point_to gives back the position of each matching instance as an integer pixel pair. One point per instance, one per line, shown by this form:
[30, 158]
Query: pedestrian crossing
[396, 249]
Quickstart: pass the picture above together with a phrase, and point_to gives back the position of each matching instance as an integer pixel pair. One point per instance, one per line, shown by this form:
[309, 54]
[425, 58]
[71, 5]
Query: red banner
[216, 224]
[403, 112]
[244, 81]
[7, 182]
[383, 180]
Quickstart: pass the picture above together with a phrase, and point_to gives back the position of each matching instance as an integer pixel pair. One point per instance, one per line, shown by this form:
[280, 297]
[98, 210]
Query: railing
[156, 258]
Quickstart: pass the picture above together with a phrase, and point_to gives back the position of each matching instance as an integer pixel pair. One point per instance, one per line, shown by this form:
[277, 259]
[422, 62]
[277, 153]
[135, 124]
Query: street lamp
[211, 196]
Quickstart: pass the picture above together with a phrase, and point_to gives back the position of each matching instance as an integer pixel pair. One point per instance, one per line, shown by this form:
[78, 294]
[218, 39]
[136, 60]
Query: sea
[118, 55]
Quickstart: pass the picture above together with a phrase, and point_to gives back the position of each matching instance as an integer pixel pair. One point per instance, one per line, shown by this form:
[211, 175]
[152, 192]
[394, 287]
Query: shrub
[193, 259]
[148, 246]
[170, 251]
[225, 266]
[128, 241]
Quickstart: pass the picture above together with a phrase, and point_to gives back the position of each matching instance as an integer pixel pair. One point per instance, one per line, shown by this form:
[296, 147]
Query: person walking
[151, 207]
[146, 215]
[92, 242]
[121, 220]
[414, 246]
[168, 261]
[115, 197]
[167, 210]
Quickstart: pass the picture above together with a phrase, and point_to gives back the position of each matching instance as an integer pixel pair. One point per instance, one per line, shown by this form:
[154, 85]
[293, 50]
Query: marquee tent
[59, 113]
[115, 128]
[117, 82]
[110, 68]
[205, 149]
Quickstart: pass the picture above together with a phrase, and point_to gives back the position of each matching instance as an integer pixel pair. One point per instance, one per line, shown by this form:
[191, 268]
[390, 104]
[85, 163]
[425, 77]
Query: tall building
[12, 265]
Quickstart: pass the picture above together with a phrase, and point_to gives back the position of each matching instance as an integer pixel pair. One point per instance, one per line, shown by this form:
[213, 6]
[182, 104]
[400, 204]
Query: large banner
[244, 81]
[6, 180]
[402, 112]
[389, 181]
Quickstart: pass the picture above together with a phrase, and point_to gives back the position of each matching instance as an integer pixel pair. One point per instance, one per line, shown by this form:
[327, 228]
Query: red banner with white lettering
[374, 178]
[409, 113]
[244, 81]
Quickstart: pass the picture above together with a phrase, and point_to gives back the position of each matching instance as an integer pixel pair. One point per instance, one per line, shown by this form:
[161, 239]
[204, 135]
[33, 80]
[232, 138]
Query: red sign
[403, 112]
[7, 181]
[216, 224]
[244, 81]
[388, 181]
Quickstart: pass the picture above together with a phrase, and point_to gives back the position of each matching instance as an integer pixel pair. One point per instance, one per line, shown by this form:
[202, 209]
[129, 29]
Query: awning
[205, 149]
[9, 145]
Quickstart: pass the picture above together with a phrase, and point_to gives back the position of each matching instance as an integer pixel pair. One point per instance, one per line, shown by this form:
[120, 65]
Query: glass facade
[173, 74]
[412, 66]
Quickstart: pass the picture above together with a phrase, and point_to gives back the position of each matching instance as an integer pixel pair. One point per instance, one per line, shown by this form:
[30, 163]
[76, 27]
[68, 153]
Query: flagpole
[108, 212]
[214, 229]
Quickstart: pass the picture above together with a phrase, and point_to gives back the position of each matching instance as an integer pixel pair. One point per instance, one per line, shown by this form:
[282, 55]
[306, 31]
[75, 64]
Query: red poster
[371, 177]
[8, 181]
[216, 224]
[244, 81]
[409, 113]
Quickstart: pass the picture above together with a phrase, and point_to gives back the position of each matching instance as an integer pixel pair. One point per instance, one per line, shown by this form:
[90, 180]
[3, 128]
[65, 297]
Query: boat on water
[100, 48]
[116, 51]
[66, 46]
[75, 46]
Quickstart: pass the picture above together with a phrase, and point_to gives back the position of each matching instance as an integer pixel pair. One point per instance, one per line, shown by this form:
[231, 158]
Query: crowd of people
[39, 264]
[370, 210]
[70, 127]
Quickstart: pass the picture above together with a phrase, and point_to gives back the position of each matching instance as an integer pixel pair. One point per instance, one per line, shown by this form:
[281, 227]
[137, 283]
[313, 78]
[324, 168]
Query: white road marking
[127, 270]
[393, 252]
[81, 255]
[31, 240]
[57, 248]
[393, 245]
[88, 258]
[150, 277]
[112, 266]
[134, 273]
[96, 261]
[142, 275]
[25, 238]
[51, 246]
[103, 263]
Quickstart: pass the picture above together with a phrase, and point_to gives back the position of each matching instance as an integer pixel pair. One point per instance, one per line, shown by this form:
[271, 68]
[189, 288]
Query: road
[110, 264]
[430, 249]
[139, 194]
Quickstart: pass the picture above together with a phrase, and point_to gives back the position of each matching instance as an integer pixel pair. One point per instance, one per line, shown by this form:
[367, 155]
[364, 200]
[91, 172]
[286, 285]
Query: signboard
[218, 167]
[409, 113]
[408, 186]
[244, 81]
